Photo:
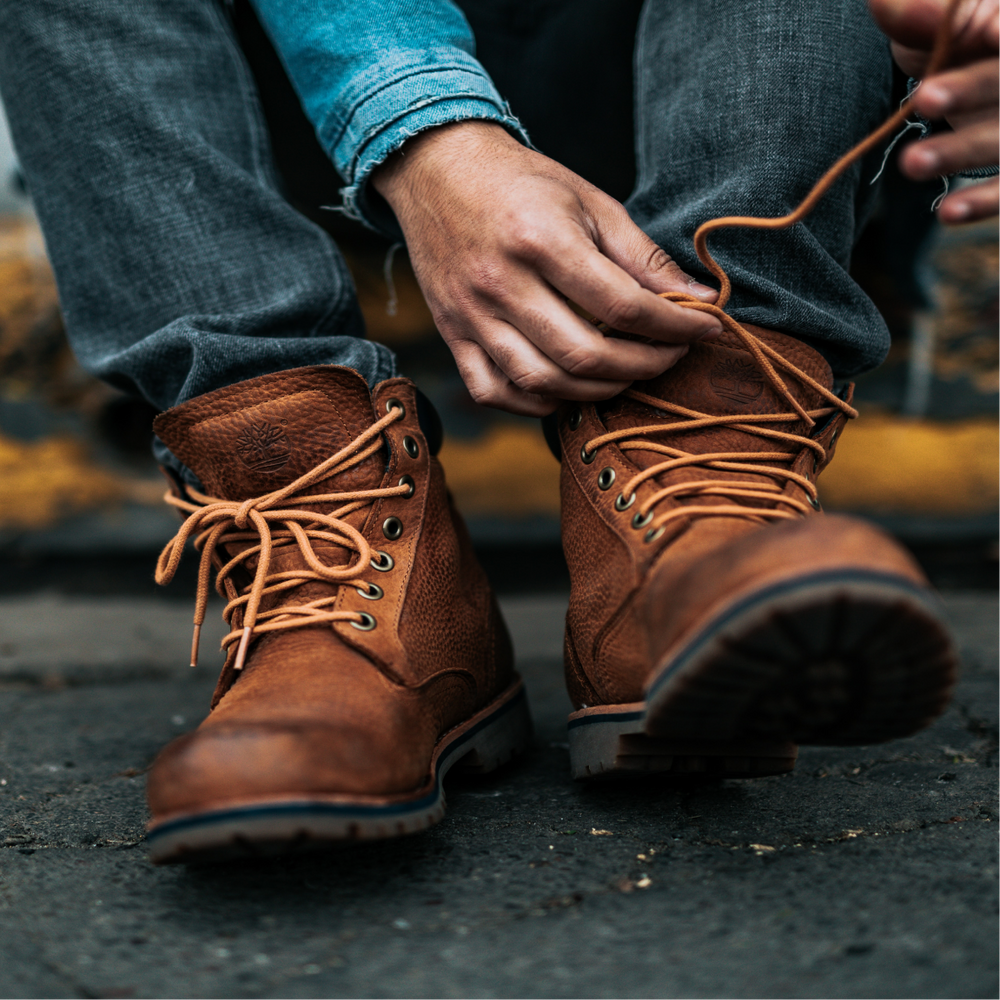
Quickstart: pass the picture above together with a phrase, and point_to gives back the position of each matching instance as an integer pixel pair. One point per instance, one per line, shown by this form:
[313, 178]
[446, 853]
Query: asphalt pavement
[868, 872]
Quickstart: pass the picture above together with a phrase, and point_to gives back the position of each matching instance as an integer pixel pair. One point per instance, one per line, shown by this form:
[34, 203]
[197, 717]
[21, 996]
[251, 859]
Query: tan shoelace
[764, 355]
[264, 520]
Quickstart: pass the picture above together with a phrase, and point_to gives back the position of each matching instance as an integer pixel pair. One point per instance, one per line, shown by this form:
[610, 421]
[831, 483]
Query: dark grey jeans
[182, 267]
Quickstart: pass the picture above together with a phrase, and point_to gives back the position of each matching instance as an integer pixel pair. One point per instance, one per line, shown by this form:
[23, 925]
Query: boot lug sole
[609, 742]
[840, 658]
[272, 826]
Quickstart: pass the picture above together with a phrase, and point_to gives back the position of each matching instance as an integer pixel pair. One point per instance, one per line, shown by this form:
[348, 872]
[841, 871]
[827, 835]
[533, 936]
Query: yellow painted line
[884, 464]
[888, 464]
[42, 481]
[509, 472]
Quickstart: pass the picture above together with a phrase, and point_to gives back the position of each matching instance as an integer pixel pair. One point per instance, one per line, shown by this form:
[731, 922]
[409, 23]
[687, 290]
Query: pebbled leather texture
[329, 709]
[632, 600]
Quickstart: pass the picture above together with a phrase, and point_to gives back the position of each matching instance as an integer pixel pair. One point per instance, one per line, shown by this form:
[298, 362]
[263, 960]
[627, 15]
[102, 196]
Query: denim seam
[333, 141]
[335, 125]
[502, 111]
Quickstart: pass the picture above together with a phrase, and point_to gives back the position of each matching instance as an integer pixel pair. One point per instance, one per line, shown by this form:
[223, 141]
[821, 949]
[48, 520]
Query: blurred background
[80, 496]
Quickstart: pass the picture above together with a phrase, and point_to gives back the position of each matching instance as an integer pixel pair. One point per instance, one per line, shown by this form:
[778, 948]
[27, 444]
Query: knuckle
[533, 381]
[582, 363]
[482, 395]
[527, 240]
[660, 261]
[487, 277]
[622, 314]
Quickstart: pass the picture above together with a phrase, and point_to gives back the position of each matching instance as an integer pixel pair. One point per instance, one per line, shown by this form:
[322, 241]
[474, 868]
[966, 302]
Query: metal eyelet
[606, 478]
[411, 447]
[653, 534]
[408, 481]
[814, 503]
[575, 418]
[395, 404]
[640, 520]
[366, 624]
[383, 562]
[622, 504]
[833, 437]
[392, 528]
[373, 593]
[587, 456]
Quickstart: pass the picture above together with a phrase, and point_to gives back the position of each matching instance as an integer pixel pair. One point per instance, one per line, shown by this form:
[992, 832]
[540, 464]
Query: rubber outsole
[280, 826]
[610, 742]
[839, 658]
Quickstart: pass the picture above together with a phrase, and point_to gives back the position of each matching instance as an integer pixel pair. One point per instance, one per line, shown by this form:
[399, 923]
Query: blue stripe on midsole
[311, 808]
[591, 720]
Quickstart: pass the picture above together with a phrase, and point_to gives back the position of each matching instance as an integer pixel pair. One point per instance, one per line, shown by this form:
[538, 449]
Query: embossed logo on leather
[740, 381]
[262, 446]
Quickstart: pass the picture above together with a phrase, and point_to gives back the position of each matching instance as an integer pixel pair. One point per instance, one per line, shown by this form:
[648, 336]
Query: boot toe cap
[222, 765]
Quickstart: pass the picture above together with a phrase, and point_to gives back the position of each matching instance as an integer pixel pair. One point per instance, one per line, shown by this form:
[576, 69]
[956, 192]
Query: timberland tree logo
[262, 446]
[735, 379]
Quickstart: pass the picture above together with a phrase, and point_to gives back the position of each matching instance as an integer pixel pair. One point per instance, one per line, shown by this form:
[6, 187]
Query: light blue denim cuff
[421, 95]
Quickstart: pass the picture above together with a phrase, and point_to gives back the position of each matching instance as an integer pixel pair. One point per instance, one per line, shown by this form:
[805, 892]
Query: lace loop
[262, 521]
[748, 462]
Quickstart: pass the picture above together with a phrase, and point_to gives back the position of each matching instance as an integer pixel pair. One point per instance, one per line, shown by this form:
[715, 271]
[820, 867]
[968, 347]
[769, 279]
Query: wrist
[437, 151]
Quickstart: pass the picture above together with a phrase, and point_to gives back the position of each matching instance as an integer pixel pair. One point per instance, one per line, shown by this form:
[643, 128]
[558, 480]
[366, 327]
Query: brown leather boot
[716, 618]
[367, 654]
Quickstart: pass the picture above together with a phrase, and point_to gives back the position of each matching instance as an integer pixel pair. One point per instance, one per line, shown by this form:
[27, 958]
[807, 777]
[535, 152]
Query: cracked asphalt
[868, 872]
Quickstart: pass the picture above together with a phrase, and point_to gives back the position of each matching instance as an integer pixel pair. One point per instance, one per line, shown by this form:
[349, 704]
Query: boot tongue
[721, 378]
[255, 437]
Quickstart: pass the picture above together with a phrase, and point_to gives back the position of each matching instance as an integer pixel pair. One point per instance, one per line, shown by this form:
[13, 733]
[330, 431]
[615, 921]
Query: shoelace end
[241, 653]
[195, 640]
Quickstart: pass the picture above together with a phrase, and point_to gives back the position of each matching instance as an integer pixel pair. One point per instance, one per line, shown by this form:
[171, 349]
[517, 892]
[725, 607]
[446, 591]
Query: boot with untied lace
[717, 618]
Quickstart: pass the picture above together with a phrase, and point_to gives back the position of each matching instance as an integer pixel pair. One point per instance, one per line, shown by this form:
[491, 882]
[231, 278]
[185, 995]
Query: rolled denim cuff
[419, 97]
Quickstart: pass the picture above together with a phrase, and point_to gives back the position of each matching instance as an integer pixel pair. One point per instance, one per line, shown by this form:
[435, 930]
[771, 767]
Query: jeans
[183, 267]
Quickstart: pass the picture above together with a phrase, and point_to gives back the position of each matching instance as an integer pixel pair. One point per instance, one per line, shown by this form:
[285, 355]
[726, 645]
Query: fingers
[504, 370]
[624, 243]
[980, 201]
[971, 88]
[913, 24]
[489, 386]
[581, 272]
[973, 145]
[519, 346]
[570, 260]
[578, 348]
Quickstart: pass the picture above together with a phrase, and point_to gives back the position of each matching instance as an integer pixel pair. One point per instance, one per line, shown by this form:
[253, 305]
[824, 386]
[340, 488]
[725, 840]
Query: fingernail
[700, 291]
[958, 211]
[712, 334]
[926, 159]
[936, 94]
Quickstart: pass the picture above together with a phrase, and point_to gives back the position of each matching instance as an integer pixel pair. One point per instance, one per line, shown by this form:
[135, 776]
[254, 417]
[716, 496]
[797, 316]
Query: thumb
[622, 241]
[912, 24]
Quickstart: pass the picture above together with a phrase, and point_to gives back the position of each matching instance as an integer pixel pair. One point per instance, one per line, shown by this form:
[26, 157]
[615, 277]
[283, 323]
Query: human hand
[965, 94]
[500, 238]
